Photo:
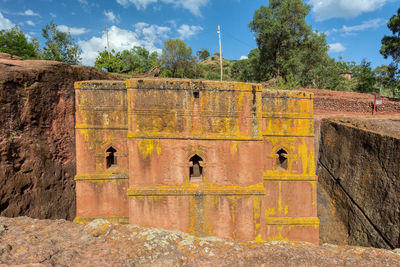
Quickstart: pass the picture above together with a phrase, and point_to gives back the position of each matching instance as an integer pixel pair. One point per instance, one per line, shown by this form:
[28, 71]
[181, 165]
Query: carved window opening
[111, 159]
[196, 94]
[196, 169]
[282, 161]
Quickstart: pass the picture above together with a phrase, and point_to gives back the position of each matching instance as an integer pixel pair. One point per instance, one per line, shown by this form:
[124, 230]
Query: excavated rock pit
[357, 164]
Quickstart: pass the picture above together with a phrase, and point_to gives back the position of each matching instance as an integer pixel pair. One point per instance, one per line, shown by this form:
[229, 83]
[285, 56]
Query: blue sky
[354, 28]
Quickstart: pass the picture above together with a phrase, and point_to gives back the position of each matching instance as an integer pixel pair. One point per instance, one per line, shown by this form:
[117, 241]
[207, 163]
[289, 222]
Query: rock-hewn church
[208, 158]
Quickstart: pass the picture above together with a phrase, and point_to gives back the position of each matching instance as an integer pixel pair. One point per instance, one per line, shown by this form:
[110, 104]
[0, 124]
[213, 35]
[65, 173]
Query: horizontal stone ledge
[94, 108]
[100, 85]
[111, 219]
[295, 221]
[266, 134]
[295, 116]
[290, 177]
[101, 176]
[190, 84]
[286, 94]
[100, 127]
[182, 137]
[190, 113]
[197, 190]
[216, 89]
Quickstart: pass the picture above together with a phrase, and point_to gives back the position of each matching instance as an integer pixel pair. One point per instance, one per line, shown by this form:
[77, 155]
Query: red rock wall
[37, 141]
[359, 185]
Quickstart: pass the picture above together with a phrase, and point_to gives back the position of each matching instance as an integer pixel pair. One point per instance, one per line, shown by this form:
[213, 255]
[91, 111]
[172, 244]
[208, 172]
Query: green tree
[248, 70]
[329, 75]
[203, 54]
[14, 42]
[177, 60]
[60, 46]
[391, 44]
[153, 60]
[314, 57]
[388, 79]
[279, 28]
[287, 45]
[112, 61]
[139, 60]
[365, 77]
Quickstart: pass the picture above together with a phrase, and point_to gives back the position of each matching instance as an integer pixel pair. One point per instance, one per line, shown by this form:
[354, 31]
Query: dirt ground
[355, 109]
[352, 104]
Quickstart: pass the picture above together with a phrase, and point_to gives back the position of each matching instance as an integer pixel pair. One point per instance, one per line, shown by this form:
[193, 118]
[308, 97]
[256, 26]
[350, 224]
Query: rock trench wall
[37, 139]
[359, 185]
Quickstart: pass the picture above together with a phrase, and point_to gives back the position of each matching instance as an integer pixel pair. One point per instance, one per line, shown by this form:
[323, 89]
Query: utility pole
[108, 45]
[220, 50]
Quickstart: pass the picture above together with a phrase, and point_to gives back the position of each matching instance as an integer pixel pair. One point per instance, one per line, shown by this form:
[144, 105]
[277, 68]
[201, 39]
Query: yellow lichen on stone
[257, 218]
[234, 146]
[145, 147]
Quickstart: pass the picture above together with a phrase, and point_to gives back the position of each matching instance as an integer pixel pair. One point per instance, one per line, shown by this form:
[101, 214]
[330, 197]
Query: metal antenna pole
[108, 44]
[220, 50]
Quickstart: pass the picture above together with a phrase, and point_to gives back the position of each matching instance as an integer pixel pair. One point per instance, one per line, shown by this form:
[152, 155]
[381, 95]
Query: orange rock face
[208, 158]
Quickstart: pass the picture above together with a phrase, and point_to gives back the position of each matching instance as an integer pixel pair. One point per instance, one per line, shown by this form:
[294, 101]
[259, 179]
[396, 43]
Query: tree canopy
[391, 44]
[284, 38]
[139, 60]
[110, 61]
[60, 46]
[203, 54]
[387, 77]
[14, 42]
[177, 60]
[246, 70]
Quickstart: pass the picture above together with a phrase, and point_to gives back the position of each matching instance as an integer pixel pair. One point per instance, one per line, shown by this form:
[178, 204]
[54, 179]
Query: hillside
[211, 68]
[37, 155]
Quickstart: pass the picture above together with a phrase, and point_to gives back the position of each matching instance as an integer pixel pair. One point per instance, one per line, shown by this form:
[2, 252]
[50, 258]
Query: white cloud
[83, 2]
[243, 57]
[366, 25]
[29, 13]
[172, 22]
[111, 17]
[30, 23]
[5, 23]
[53, 15]
[119, 39]
[72, 30]
[336, 48]
[186, 31]
[149, 36]
[192, 5]
[140, 4]
[153, 34]
[326, 9]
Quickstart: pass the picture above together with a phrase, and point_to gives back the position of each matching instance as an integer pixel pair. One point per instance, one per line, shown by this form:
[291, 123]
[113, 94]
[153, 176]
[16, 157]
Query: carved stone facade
[208, 158]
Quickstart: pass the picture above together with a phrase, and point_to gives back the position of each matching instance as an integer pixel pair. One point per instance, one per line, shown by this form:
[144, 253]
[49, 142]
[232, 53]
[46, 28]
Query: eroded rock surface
[62, 243]
[359, 181]
[37, 141]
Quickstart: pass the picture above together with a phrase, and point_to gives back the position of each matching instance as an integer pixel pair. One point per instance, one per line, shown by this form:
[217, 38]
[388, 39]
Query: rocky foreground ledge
[31, 242]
